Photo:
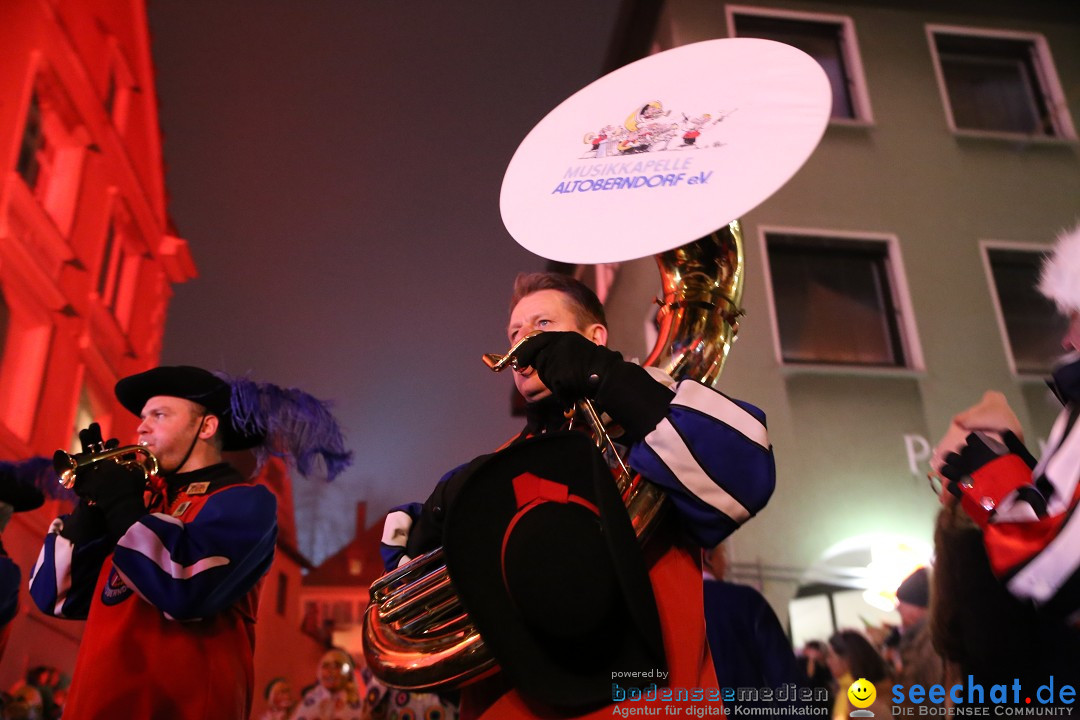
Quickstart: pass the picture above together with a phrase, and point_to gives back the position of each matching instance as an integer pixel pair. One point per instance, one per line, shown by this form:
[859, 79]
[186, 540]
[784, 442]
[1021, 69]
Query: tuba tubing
[416, 634]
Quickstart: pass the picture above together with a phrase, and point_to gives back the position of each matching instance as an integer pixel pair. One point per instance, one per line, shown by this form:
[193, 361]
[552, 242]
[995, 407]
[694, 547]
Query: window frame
[61, 149]
[898, 289]
[1046, 74]
[858, 89]
[119, 264]
[88, 387]
[27, 351]
[122, 82]
[985, 246]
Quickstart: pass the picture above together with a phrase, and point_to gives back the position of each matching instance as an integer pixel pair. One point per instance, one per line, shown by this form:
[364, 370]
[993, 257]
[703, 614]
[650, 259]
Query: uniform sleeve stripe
[59, 552]
[396, 528]
[62, 551]
[672, 450]
[141, 539]
[1044, 575]
[698, 397]
[1060, 470]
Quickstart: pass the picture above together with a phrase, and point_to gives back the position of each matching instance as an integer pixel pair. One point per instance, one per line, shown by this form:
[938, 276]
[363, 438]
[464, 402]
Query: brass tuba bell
[417, 635]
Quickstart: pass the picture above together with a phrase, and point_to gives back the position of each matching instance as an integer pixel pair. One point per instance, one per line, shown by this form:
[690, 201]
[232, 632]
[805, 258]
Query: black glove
[985, 471]
[980, 451]
[117, 490]
[568, 363]
[634, 399]
[86, 522]
[91, 440]
[574, 367]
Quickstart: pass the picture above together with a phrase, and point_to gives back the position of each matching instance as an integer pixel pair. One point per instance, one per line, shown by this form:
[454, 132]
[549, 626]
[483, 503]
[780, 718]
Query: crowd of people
[166, 567]
[40, 695]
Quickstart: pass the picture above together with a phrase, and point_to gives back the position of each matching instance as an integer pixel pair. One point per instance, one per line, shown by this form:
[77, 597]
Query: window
[999, 82]
[52, 150]
[84, 415]
[118, 87]
[26, 342]
[835, 301]
[1031, 327]
[33, 142]
[119, 267]
[829, 39]
[339, 612]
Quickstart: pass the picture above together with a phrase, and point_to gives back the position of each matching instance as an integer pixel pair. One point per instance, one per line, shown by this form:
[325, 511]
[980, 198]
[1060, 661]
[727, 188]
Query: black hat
[190, 383]
[21, 483]
[915, 590]
[543, 555]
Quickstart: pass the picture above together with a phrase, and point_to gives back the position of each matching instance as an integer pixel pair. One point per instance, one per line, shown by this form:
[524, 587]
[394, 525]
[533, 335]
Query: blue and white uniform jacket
[710, 453]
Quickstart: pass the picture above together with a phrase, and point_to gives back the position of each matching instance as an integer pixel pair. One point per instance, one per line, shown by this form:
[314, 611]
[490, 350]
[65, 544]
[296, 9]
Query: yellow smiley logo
[862, 693]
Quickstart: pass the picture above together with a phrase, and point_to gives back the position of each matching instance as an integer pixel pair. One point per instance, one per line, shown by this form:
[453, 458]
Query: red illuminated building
[335, 594]
[88, 258]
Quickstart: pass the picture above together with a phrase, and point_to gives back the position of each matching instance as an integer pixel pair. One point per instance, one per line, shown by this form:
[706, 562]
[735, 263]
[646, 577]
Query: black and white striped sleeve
[712, 456]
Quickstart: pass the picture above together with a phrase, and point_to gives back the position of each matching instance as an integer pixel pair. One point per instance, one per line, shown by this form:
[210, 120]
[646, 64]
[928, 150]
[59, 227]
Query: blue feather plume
[298, 427]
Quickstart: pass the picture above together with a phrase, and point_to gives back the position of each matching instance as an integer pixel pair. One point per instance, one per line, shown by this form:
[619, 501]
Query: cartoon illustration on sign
[647, 129]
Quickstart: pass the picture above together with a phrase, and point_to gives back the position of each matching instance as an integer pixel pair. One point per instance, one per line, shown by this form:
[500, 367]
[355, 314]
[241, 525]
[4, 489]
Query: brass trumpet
[68, 466]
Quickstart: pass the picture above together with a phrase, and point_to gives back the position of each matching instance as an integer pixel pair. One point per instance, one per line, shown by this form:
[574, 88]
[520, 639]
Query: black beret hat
[915, 590]
[189, 383]
[544, 557]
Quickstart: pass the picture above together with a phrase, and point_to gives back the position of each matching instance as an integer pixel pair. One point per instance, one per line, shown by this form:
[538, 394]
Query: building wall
[335, 594]
[78, 317]
[83, 311]
[281, 648]
[839, 434]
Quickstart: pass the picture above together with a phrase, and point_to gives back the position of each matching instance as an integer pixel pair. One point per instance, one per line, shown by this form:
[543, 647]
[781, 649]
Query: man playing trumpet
[559, 578]
[165, 570]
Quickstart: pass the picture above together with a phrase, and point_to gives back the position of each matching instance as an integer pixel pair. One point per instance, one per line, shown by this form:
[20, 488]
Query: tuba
[416, 634]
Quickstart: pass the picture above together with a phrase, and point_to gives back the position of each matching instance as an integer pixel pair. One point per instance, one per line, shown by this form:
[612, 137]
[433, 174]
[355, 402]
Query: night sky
[335, 167]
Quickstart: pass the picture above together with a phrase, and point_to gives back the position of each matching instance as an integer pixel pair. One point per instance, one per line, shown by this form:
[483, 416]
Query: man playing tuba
[541, 561]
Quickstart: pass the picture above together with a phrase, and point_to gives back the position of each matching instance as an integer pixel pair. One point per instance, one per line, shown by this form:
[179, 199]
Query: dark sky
[335, 166]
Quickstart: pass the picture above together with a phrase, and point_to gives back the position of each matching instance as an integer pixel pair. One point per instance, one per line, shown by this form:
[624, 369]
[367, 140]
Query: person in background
[1026, 509]
[18, 493]
[815, 667]
[336, 694]
[1006, 539]
[23, 702]
[48, 681]
[748, 645]
[911, 647]
[851, 657]
[344, 692]
[279, 700]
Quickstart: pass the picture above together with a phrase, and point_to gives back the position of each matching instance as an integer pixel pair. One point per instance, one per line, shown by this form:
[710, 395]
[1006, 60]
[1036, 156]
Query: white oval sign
[665, 150]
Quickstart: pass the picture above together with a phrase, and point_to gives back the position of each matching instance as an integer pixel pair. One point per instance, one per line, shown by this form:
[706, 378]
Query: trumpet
[68, 466]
